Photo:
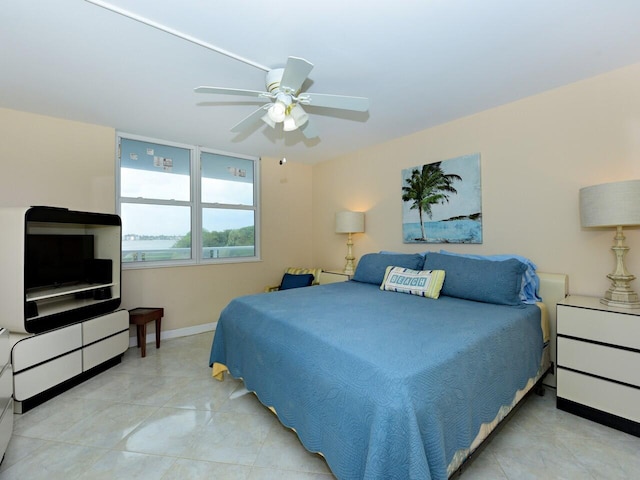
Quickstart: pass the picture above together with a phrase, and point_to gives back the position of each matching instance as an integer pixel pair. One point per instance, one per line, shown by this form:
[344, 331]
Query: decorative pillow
[480, 280]
[530, 280]
[372, 266]
[290, 280]
[424, 283]
[314, 271]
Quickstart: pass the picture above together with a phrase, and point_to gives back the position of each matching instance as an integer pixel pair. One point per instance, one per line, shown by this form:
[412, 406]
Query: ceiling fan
[283, 87]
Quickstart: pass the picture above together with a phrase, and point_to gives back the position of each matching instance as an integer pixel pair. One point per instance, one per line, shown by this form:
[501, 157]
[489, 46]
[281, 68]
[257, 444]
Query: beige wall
[535, 155]
[49, 161]
[54, 162]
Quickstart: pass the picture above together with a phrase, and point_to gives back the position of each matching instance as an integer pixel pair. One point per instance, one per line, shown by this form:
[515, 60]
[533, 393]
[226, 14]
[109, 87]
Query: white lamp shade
[299, 115]
[267, 119]
[610, 204]
[289, 124]
[349, 222]
[277, 112]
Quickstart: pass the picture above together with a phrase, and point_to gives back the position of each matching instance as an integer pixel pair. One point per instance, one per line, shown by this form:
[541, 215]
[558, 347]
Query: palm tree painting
[442, 202]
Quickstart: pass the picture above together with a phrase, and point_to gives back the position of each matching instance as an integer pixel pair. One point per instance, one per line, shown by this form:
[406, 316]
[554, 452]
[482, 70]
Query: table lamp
[349, 222]
[614, 205]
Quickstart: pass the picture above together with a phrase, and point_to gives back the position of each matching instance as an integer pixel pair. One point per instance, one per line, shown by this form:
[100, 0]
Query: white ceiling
[421, 62]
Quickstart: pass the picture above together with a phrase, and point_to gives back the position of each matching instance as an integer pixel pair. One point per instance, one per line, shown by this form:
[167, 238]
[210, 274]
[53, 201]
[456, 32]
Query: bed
[388, 384]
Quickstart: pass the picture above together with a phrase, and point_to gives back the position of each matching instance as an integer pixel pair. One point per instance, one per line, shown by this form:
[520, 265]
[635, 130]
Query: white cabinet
[48, 363]
[598, 362]
[6, 392]
[58, 267]
[60, 296]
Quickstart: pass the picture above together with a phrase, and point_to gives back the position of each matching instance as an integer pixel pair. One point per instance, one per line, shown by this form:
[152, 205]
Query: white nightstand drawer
[600, 394]
[608, 362]
[601, 326]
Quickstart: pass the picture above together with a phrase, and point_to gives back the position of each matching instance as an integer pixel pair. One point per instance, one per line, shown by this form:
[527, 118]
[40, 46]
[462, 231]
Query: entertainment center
[60, 298]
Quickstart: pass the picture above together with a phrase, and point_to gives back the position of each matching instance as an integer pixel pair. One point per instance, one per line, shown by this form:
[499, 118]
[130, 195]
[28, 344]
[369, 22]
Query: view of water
[454, 231]
[128, 245]
[162, 250]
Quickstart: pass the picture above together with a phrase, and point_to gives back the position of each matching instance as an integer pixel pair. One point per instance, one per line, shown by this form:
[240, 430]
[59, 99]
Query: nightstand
[333, 276]
[598, 362]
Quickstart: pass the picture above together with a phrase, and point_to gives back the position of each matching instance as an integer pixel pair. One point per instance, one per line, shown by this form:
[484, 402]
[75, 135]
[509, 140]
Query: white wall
[535, 155]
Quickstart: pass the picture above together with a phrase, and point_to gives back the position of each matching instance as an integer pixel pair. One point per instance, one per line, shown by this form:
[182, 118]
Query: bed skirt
[486, 428]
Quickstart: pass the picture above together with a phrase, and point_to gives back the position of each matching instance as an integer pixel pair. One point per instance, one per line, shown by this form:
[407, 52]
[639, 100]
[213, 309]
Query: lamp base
[620, 299]
[620, 293]
[349, 267]
[612, 303]
[349, 270]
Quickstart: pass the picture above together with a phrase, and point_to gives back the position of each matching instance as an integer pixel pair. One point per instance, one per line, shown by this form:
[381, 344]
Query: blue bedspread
[385, 385]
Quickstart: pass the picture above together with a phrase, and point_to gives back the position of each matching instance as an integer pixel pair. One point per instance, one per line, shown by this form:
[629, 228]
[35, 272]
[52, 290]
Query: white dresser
[49, 363]
[598, 362]
[6, 392]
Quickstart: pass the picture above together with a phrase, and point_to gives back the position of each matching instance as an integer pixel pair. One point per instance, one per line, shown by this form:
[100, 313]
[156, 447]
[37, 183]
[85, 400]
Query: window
[182, 204]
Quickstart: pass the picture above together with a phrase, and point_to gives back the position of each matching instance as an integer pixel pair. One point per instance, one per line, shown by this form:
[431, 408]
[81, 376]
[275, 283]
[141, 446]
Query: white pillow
[424, 283]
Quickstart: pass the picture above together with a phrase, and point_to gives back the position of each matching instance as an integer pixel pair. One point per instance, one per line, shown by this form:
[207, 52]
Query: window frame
[195, 204]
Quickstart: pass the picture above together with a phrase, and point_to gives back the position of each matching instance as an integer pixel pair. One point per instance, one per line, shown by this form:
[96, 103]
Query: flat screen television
[57, 260]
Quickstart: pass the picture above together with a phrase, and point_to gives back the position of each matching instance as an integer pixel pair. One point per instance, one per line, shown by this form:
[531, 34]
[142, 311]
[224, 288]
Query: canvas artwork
[442, 202]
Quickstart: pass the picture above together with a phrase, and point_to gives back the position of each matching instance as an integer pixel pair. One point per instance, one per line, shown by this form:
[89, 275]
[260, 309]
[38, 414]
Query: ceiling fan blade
[308, 130]
[357, 104]
[233, 91]
[246, 122]
[294, 75]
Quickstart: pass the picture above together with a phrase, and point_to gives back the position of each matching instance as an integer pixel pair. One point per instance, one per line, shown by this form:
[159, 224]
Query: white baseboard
[179, 332]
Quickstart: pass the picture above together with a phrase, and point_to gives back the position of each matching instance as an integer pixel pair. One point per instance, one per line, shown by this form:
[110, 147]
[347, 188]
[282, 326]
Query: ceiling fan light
[299, 115]
[277, 112]
[289, 124]
[267, 119]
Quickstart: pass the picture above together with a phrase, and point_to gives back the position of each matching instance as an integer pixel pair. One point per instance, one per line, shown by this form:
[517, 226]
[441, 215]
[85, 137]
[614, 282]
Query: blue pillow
[387, 252]
[372, 266]
[486, 281]
[530, 279]
[289, 280]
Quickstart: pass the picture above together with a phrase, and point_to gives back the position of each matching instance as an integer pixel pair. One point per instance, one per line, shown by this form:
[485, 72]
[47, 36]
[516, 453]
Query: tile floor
[164, 417]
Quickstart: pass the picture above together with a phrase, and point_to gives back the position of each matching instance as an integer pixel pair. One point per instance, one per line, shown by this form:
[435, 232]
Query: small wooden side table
[140, 317]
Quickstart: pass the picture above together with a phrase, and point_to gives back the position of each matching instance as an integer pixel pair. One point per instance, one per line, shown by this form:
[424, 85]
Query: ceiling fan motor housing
[283, 98]
[273, 79]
